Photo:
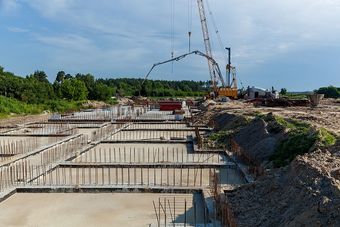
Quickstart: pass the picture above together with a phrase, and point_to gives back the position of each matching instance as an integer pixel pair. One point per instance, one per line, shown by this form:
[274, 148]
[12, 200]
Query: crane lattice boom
[207, 45]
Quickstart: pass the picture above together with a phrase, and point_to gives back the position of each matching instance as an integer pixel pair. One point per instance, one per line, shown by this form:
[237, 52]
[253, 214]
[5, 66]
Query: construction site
[139, 165]
[232, 157]
[114, 154]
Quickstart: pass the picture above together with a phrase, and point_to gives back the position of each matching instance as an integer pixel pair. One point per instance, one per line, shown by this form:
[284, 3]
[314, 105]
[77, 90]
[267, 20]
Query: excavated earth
[304, 193]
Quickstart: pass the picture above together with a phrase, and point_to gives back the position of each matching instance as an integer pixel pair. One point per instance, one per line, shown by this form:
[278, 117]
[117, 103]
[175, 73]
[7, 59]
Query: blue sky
[293, 43]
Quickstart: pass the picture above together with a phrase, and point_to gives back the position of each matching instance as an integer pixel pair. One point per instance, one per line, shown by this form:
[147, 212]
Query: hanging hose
[189, 22]
[172, 32]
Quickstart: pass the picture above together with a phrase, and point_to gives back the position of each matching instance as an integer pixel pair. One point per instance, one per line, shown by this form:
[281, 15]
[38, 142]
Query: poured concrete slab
[110, 209]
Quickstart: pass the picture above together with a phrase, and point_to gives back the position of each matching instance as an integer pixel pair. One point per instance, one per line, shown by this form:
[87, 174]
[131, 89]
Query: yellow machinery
[228, 89]
[231, 90]
[227, 92]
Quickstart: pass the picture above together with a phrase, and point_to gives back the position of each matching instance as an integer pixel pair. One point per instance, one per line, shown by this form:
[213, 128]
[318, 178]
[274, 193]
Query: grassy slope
[300, 137]
[10, 106]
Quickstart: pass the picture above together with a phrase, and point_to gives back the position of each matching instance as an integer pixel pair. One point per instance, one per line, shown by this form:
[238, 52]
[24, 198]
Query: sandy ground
[42, 210]
[326, 115]
[23, 119]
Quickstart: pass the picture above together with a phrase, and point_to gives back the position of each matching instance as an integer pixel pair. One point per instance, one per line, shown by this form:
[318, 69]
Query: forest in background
[35, 93]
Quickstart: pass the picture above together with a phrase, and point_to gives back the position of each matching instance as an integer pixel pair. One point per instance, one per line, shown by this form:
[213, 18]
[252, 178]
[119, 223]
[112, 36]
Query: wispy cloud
[17, 30]
[51, 8]
[126, 37]
[67, 41]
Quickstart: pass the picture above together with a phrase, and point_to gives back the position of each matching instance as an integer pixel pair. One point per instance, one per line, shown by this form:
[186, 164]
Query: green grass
[221, 138]
[112, 102]
[326, 138]
[295, 95]
[10, 106]
[301, 137]
[298, 142]
[63, 106]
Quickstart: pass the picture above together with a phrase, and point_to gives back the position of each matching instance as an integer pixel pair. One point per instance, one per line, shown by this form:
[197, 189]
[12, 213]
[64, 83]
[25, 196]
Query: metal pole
[228, 69]
[185, 213]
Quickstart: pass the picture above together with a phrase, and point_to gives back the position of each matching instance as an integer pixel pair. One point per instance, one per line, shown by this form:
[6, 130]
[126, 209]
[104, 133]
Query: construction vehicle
[228, 89]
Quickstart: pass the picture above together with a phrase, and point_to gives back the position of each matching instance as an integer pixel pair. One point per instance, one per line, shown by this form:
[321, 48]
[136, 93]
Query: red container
[170, 105]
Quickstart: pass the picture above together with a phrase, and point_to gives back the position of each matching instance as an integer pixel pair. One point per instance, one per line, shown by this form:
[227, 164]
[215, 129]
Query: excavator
[228, 89]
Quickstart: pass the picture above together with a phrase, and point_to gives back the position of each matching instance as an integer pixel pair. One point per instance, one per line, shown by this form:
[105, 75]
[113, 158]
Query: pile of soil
[306, 193]
[94, 104]
[258, 141]
[226, 121]
[125, 101]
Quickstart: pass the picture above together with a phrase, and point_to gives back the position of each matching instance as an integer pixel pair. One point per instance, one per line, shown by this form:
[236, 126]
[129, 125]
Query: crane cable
[190, 6]
[216, 31]
[172, 32]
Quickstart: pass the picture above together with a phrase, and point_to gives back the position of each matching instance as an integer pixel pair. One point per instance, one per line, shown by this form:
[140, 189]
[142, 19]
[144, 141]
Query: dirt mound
[257, 141]
[125, 101]
[307, 193]
[226, 121]
[89, 104]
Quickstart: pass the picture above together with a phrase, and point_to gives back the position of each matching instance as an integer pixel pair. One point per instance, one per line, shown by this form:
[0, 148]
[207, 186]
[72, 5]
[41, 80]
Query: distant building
[256, 92]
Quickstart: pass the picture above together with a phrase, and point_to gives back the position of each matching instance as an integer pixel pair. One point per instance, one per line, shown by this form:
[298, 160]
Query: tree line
[36, 88]
[329, 92]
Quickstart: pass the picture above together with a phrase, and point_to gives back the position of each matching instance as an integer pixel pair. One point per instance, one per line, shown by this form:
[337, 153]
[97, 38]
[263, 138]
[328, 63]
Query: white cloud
[9, 5]
[270, 27]
[17, 30]
[133, 34]
[51, 8]
[68, 41]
